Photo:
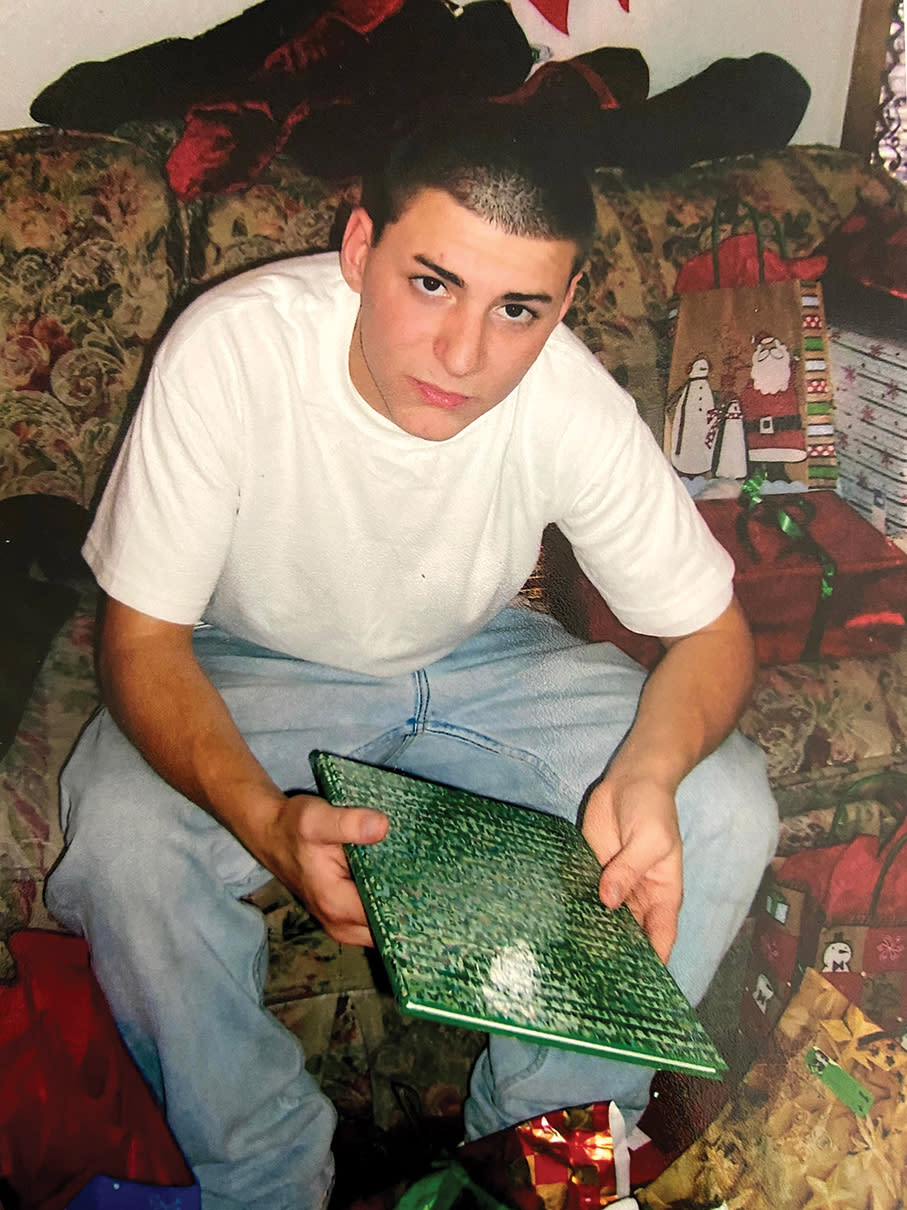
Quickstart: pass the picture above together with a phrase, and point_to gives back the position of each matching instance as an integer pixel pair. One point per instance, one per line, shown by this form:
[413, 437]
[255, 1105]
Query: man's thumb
[366, 826]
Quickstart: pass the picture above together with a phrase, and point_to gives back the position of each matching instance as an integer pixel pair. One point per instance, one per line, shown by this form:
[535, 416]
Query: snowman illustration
[763, 993]
[707, 435]
[837, 955]
[690, 452]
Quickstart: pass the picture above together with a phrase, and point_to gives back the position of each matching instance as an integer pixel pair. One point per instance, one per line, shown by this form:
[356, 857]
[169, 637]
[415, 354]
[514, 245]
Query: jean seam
[478, 739]
[421, 702]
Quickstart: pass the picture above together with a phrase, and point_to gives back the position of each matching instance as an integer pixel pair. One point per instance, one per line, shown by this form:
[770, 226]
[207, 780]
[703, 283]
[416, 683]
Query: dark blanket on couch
[334, 82]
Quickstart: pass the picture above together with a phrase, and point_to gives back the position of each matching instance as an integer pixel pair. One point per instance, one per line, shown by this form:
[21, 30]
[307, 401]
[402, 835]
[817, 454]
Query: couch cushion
[828, 729]
[286, 212]
[62, 700]
[86, 284]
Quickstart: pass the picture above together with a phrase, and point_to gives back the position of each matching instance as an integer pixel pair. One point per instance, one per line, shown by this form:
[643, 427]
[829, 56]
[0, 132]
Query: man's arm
[689, 704]
[162, 700]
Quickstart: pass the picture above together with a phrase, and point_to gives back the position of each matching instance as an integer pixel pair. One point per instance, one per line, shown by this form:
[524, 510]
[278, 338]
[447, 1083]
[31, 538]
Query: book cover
[487, 915]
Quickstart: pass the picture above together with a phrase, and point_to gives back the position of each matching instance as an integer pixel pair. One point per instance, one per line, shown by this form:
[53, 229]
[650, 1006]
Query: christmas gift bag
[749, 386]
[820, 1121]
[787, 927]
[841, 910]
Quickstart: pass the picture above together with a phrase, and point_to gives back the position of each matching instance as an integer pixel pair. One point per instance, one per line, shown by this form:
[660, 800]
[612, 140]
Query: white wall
[41, 38]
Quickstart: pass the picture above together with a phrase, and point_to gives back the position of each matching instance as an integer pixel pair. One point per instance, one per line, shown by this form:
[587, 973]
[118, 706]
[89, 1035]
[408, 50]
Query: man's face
[453, 312]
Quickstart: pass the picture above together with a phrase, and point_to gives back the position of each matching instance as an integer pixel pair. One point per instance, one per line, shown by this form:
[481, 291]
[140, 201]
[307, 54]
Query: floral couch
[96, 255]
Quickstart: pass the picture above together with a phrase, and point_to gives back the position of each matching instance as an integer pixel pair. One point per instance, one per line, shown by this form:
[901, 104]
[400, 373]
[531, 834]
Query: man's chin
[433, 426]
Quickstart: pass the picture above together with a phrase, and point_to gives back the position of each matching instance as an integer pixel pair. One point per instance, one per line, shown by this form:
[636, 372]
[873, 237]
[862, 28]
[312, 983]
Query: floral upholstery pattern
[283, 215]
[63, 698]
[826, 730]
[84, 285]
[367, 1057]
[286, 212]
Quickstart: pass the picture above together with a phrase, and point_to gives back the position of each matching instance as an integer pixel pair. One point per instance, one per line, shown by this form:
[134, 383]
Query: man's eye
[519, 312]
[428, 285]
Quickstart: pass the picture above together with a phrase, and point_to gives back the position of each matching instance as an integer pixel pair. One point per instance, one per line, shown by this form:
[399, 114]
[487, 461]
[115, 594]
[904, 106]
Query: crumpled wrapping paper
[572, 1159]
[786, 1141]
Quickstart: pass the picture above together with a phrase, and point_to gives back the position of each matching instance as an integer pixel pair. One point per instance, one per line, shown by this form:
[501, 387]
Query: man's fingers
[618, 879]
[660, 926]
[351, 934]
[654, 902]
[342, 915]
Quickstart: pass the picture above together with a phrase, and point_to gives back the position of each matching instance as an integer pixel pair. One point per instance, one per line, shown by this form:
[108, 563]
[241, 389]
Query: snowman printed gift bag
[749, 388]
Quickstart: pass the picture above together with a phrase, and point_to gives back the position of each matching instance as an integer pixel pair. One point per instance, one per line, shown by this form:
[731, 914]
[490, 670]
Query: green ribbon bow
[778, 511]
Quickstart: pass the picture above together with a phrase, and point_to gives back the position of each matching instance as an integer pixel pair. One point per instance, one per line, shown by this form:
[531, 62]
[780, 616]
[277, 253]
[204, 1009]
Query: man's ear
[568, 297]
[355, 247]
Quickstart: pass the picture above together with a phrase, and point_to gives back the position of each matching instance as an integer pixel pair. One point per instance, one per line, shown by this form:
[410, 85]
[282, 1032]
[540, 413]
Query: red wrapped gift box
[778, 582]
[571, 1159]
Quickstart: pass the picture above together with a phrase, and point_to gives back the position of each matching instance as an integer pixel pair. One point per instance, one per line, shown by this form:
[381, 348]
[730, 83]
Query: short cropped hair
[492, 160]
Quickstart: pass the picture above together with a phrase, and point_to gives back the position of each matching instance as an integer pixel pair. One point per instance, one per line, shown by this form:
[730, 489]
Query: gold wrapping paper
[786, 1141]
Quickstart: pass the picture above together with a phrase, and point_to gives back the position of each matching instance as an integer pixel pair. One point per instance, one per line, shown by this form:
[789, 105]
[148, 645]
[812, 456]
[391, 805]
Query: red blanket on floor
[73, 1105]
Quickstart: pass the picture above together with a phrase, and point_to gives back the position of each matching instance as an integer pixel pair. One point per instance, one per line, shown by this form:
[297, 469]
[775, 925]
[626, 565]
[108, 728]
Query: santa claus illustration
[771, 409]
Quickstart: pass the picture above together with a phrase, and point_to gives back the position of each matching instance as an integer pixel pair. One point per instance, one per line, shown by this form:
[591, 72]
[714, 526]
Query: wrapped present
[869, 374]
[572, 1159]
[815, 580]
[819, 1122]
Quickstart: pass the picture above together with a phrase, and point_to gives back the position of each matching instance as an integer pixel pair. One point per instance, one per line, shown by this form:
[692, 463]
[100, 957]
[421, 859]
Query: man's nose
[460, 343]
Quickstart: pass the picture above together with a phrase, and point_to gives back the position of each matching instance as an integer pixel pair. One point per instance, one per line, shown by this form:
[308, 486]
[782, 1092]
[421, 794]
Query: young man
[345, 467]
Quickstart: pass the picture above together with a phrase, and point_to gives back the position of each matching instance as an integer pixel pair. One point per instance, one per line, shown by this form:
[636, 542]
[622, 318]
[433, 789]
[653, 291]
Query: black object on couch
[44, 534]
[306, 79]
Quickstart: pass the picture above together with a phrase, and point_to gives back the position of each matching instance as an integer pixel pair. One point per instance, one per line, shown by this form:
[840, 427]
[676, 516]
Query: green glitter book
[487, 915]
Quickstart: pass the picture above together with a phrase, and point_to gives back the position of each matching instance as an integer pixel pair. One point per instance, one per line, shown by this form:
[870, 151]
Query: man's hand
[151, 677]
[303, 847]
[632, 829]
[689, 703]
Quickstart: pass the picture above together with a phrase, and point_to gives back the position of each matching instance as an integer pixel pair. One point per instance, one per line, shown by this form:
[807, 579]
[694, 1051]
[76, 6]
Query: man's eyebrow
[515, 297]
[438, 271]
[512, 296]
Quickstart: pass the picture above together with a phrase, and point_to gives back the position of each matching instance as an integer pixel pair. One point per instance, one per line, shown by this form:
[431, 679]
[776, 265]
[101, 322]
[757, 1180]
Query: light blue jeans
[522, 711]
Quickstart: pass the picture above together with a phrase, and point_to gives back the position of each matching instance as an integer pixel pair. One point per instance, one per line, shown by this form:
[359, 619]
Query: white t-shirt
[257, 490]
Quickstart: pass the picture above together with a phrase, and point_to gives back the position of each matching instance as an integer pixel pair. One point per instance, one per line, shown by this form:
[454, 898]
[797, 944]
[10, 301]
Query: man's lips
[437, 398]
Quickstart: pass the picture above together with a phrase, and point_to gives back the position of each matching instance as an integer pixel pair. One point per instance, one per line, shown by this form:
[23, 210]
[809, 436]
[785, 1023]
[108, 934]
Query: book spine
[331, 783]
[329, 779]
[380, 922]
